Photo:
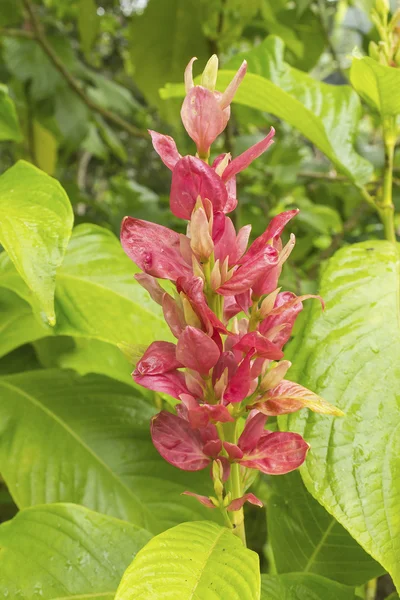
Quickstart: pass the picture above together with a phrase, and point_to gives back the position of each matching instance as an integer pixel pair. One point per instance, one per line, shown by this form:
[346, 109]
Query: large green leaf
[349, 355]
[300, 586]
[378, 84]
[9, 125]
[306, 538]
[35, 225]
[96, 294]
[164, 39]
[65, 438]
[193, 560]
[325, 114]
[65, 552]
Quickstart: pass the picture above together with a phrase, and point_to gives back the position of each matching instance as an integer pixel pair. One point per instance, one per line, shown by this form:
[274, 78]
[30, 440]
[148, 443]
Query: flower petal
[239, 386]
[160, 357]
[252, 431]
[166, 149]
[231, 89]
[242, 161]
[247, 274]
[172, 383]
[277, 453]
[196, 350]
[237, 504]
[273, 231]
[154, 248]
[287, 397]
[151, 285]
[263, 347]
[177, 442]
[203, 117]
[202, 499]
[192, 178]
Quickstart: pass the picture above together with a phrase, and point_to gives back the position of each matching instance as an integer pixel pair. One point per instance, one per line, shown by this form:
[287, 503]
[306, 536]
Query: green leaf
[17, 323]
[88, 24]
[35, 225]
[193, 560]
[306, 538]
[9, 125]
[66, 438]
[348, 355]
[23, 358]
[325, 114]
[377, 84]
[96, 293]
[65, 552]
[299, 586]
[163, 40]
[86, 356]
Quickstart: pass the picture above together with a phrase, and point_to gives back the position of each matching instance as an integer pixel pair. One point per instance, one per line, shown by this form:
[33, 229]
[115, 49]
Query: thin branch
[70, 79]
[21, 33]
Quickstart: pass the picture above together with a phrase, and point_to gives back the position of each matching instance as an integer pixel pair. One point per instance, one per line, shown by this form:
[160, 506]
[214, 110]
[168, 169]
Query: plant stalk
[385, 207]
[234, 485]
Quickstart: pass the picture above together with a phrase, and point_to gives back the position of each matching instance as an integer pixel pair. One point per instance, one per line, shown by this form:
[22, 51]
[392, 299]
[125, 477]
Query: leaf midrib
[71, 432]
[193, 592]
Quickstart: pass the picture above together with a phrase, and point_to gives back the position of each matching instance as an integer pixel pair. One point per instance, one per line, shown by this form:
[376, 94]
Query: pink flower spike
[230, 91]
[160, 357]
[252, 432]
[189, 83]
[154, 248]
[196, 350]
[237, 504]
[177, 442]
[166, 148]
[172, 383]
[242, 161]
[263, 347]
[151, 285]
[192, 178]
[277, 453]
[202, 499]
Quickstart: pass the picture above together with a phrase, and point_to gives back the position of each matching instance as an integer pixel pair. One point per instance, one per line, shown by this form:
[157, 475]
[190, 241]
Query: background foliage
[81, 82]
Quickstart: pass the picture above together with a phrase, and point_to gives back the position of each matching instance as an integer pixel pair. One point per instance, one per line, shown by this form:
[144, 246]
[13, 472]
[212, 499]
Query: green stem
[234, 485]
[385, 207]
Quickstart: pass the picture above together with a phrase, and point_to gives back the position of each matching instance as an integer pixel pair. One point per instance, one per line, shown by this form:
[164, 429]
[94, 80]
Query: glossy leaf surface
[96, 294]
[65, 552]
[193, 560]
[349, 355]
[377, 84]
[35, 225]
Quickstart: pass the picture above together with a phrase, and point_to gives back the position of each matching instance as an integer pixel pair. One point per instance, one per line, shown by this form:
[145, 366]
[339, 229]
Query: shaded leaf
[299, 586]
[193, 560]
[9, 125]
[45, 148]
[88, 24]
[306, 538]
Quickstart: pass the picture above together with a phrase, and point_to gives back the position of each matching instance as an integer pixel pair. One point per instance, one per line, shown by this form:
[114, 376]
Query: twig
[22, 33]
[40, 37]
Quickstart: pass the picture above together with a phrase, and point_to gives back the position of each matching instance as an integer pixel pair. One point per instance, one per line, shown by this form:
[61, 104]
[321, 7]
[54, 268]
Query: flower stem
[385, 207]
[234, 485]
